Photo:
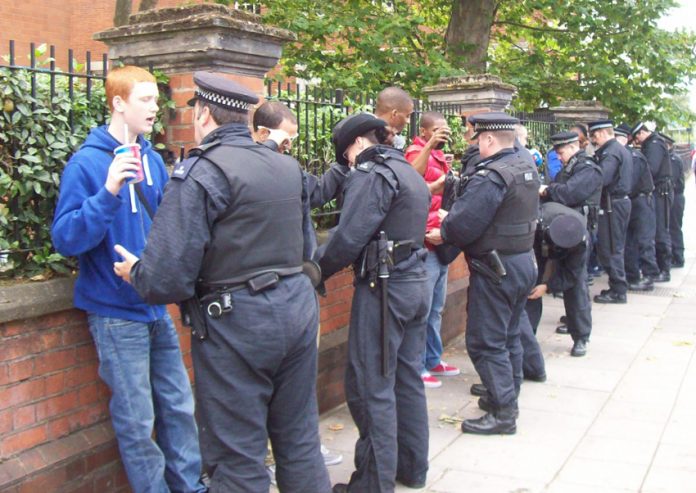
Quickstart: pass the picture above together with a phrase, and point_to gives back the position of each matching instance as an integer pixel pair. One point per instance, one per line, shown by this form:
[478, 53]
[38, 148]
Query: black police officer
[677, 211]
[617, 165]
[655, 150]
[387, 402]
[228, 239]
[639, 254]
[498, 238]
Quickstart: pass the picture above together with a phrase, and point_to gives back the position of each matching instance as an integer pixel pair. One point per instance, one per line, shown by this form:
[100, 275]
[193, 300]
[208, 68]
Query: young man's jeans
[437, 286]
[142, 365]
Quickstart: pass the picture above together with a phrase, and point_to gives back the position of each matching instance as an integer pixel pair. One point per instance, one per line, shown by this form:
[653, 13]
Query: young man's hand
[122, 168]
[123, 269]
[538, 291]
[440, 136]
[434, 237]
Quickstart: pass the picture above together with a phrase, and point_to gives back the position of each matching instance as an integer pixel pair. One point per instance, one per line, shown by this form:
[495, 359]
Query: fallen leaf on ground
[446, 418]
[336, 426]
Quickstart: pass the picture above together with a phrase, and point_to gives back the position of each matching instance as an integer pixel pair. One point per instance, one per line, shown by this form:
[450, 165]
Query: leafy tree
[609, 51]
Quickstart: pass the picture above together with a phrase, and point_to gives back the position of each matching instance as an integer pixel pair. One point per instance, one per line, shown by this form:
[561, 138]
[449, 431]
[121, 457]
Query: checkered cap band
[492, 127]
[224, 101]
[637, 128]
[569, 140]
[598, 126]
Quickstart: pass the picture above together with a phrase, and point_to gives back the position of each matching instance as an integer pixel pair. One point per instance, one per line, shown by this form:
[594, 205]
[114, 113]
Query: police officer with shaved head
[494, 222]
[639, 254]
[227, 242]
[655, 150]
[617, 168]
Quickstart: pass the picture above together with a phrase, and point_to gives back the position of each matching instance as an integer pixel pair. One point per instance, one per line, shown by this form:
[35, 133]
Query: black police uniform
[579, 186]
[639, 255]
[504, 192]
[677, 211]
[616, 164]
[655, 150]
[228, 240]
[384, 193]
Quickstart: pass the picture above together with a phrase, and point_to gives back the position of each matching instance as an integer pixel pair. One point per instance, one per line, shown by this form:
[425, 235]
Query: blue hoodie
[89, 221]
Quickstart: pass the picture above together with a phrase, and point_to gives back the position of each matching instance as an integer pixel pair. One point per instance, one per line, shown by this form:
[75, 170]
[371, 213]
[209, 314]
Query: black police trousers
[639, 254]
[533, 365]
[390, 411]
[493, 327]
[613, 261]
[576, 298]
[256, 379]
[663, 241]
[675, 228]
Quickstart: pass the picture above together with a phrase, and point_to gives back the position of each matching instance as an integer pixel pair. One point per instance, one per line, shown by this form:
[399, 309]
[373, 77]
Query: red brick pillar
[182, 40]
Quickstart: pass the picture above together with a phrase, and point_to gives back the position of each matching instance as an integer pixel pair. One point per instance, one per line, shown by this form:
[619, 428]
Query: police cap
[349, 129]
[565, 227]
[494, 121]
[563, 138]
[638, 127]
[623, 130]
[220, 91]
[599, 124]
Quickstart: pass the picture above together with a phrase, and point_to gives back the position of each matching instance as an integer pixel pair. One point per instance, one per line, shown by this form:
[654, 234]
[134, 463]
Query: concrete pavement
[621, 419]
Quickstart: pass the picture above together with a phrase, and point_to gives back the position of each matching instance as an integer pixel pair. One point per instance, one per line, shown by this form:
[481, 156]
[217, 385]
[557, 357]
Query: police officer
[228, 239]
[639, 255]
[384, 390]
[498, 240]
[655, 150]
[616, 164]
[564, 244]
[578, 185]
[677, 211]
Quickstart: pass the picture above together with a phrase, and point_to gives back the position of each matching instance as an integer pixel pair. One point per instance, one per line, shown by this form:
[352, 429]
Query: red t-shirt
[437, 166]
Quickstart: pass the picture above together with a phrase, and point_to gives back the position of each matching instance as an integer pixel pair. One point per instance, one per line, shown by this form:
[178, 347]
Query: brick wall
[55, 434]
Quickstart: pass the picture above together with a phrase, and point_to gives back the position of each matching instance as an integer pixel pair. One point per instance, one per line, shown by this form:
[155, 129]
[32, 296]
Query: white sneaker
[331, 458]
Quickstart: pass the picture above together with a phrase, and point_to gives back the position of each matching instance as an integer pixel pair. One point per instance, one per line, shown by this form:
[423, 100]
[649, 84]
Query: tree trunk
[123, 11]
[147, 5]
[468, 33]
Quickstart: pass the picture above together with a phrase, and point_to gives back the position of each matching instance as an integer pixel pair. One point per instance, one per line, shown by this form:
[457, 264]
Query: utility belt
[619, 197]
[214, 301]
[489, 265]
[396, 252]
[664, 187]
[591, 213]
[641, 194]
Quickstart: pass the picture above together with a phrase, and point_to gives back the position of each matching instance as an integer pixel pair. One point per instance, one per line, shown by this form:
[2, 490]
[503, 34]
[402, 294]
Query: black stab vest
[408, 213]
[578, 161]
[514, 224]
[261, 230]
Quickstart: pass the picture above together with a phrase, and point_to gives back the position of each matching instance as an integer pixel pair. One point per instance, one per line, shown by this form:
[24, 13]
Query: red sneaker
[430, 382]
[444, 370]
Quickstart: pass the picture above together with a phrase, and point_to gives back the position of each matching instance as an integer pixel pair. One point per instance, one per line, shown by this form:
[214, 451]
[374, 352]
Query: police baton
[610, 228]
[383, 256]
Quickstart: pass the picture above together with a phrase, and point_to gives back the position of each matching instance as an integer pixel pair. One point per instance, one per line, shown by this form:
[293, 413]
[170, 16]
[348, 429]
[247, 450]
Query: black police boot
[501, 422]
[562, 329]
[340, 488]
[416, 484]
[610, 297]
[563, 319]
[535, 378]
[478, 389]
[661, 277]
[644, 284]
[579, 348]
[678, 263]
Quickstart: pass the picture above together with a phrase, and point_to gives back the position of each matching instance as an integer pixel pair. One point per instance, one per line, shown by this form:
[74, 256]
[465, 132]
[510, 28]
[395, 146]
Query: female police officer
[385, 197]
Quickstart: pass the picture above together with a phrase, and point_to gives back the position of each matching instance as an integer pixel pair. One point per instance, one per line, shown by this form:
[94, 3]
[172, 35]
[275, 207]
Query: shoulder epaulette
[366, 167]
[182, 169]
